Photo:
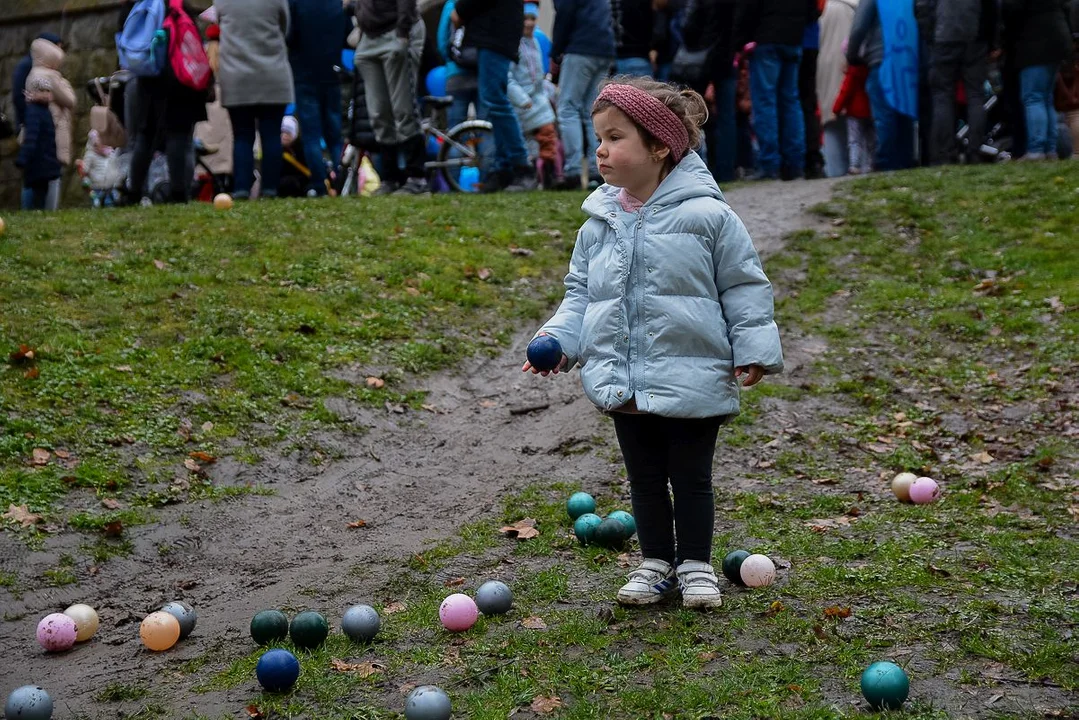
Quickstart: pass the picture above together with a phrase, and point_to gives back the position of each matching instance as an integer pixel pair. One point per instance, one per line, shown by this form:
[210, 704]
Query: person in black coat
[635, 37]
[1040, 42]
[37, 155]
[495, 28]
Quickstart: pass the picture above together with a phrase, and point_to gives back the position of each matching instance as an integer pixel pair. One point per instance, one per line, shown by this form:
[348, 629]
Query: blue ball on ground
[428, 702]
[885, 685]
[580, 503]
[28, 702]
[494, 598]
[544, 353]
[361, 623]
[585, 526]
[626, 519]
[277, 670]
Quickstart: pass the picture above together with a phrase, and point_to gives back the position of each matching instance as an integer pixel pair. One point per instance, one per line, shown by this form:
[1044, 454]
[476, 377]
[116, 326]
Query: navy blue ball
[277, 670]
[545, 353]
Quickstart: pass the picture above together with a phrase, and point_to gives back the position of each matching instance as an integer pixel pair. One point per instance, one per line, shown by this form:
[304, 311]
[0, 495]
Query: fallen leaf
[363, 669]
[160, 264]
[122, 368]
[22, 515]
[375, 383]
[454, 582]
[414, 292]
[818, 631]
[32, 373]
[774, 609]
[534, 623]
[207, 426]
[24, 354]
[488, 404]
[837, 612]
[202, 457]
[113, 529]
[822, 524]
[522, 529]
[706, 656]
[39, 457]
[1055, 304]
[543, 705]
[825, 481]
[878, 448]
[523, 252]
[110, 504]
[253, 712]
[407, 688]
[394, 607]
[483, 273]
[983, 457]
[355, 524]
[192, 465]
[62, 454]
[624, 560]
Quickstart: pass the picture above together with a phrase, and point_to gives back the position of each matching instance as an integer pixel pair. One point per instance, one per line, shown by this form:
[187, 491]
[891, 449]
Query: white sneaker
[651, 582]
[700, 587]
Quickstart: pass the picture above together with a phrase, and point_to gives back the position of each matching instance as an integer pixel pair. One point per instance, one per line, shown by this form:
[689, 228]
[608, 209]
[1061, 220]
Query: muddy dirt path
[413, 478]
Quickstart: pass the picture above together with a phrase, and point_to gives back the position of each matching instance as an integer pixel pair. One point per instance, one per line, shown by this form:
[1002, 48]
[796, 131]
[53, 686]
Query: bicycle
[462, 146]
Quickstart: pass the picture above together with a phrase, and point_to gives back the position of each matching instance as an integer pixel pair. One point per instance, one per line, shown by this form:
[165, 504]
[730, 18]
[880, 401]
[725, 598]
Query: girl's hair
[686, 104]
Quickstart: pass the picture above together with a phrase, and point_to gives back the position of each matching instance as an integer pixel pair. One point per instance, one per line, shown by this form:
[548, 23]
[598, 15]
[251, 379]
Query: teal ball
[732, 565]
[585, 526]
[610, 534]
[268, 626]
[885, 685]
[626, 519]
[580, 503]
[308, 630]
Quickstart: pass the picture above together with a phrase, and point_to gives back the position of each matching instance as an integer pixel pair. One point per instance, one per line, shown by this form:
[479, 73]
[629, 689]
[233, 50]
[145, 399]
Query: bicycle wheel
[470, 144]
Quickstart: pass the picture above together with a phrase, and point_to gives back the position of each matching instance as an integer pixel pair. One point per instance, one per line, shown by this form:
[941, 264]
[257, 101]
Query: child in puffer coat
[45, 76]
[101, 172]
[529, 96]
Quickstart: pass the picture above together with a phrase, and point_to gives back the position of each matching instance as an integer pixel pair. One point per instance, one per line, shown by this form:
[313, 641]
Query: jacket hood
[689, 179]
[46, 54]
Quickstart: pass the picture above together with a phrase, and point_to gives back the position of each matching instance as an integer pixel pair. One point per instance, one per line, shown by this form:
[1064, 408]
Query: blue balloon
[436, 81]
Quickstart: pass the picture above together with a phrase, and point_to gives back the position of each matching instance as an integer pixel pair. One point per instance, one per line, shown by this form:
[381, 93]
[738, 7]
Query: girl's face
[530, 25]
[623, 158]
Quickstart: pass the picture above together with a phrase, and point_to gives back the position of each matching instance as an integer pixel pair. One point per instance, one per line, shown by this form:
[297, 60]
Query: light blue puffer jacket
[662, 305]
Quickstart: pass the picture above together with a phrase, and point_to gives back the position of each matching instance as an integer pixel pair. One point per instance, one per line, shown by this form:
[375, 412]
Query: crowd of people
[795, 88]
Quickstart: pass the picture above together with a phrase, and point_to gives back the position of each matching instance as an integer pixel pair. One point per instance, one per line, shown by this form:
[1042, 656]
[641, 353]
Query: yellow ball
[901, 485]
[159, 631]
[86, 622]
[223, 201]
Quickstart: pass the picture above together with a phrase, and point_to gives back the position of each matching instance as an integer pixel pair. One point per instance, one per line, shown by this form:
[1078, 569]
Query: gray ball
[184, 614]
[428, 702]
[494, 598]
[31, 703]
[361, 623]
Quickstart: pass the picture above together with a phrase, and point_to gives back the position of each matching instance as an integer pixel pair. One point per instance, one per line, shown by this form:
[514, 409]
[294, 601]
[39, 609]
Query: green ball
[580, 503]
[268, 626]
[585, 527]
[732, 564]
[626, 519]
[308, 630]
[610, 533]
[885, 685]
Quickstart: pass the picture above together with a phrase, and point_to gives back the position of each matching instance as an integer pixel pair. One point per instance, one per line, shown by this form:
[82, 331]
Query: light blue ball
[585, 526]
[580, 503]
[428, 702]
[28, 703]
[361, 623]
[494, 598]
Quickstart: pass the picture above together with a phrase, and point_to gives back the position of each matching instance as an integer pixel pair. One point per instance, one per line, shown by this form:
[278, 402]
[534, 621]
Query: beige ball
[86, 621]
[223, 201]
[901, 485]
[2, 226]
[757, 571]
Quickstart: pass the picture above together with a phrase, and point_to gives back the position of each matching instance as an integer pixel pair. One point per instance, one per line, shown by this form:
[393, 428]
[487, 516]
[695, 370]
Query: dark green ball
[885, 685]
[626, 519]
[732, 564]
[308, 630]
[610, 534]
[268, 626]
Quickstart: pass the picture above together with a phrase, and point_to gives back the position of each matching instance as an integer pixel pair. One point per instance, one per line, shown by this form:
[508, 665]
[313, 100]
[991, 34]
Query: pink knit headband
[651, 114]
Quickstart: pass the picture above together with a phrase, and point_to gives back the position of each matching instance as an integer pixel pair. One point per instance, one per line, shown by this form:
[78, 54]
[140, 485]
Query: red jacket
[852, 99]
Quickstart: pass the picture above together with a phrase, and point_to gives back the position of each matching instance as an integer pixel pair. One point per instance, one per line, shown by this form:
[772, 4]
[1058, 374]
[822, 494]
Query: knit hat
[532, 9]
[290, 126]
[651, 114]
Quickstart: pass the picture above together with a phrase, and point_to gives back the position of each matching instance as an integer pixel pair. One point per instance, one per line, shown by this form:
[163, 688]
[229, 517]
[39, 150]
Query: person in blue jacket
[37, 155]
[584, 48]
[668, 311]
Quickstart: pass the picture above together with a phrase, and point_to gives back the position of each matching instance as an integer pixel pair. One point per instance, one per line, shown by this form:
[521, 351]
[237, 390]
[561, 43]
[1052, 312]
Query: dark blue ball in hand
[544, 353]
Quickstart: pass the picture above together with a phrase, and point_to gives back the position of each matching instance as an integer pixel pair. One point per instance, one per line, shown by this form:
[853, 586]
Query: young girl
[853, 101]
[666, 308]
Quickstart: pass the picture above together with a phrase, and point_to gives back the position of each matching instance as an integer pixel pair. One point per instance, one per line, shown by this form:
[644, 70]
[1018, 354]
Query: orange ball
[159, 631]
[223, 201]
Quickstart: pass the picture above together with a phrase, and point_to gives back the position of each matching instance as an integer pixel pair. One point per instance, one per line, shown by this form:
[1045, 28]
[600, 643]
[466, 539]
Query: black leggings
[662, 452]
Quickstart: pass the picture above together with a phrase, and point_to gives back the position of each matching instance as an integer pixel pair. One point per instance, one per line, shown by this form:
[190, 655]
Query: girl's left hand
[753, 374]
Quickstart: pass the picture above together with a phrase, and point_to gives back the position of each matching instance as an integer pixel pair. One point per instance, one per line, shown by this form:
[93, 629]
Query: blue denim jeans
[318, 108]
[895, 131]
[635, 66]
[266, 119]
[579, 81]
[723, 131]
[495, 107]
[777, 109]
[1036, 87]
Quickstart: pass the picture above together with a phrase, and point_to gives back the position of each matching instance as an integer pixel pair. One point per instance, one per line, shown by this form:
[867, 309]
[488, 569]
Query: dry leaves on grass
[25, 354]
[202, 457]
[356, 524]
[110, 504]
[32, 373]
[253, 712]
[454, 582]
[983, 457]
[837, 612]
[363, 669]
[824, 524]
[543, 704]
[522, 529]
[534, 623]
[375, 383]
[394, 607]
[39, 457]
[22, 515]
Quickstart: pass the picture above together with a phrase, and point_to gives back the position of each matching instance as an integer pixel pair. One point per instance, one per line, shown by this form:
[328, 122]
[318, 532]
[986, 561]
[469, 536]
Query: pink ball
[924, 490]
[458, 612]
[57, 632]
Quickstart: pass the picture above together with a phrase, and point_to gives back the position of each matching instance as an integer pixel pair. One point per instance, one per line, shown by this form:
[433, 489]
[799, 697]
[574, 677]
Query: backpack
[187, 57]
[141, 45]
